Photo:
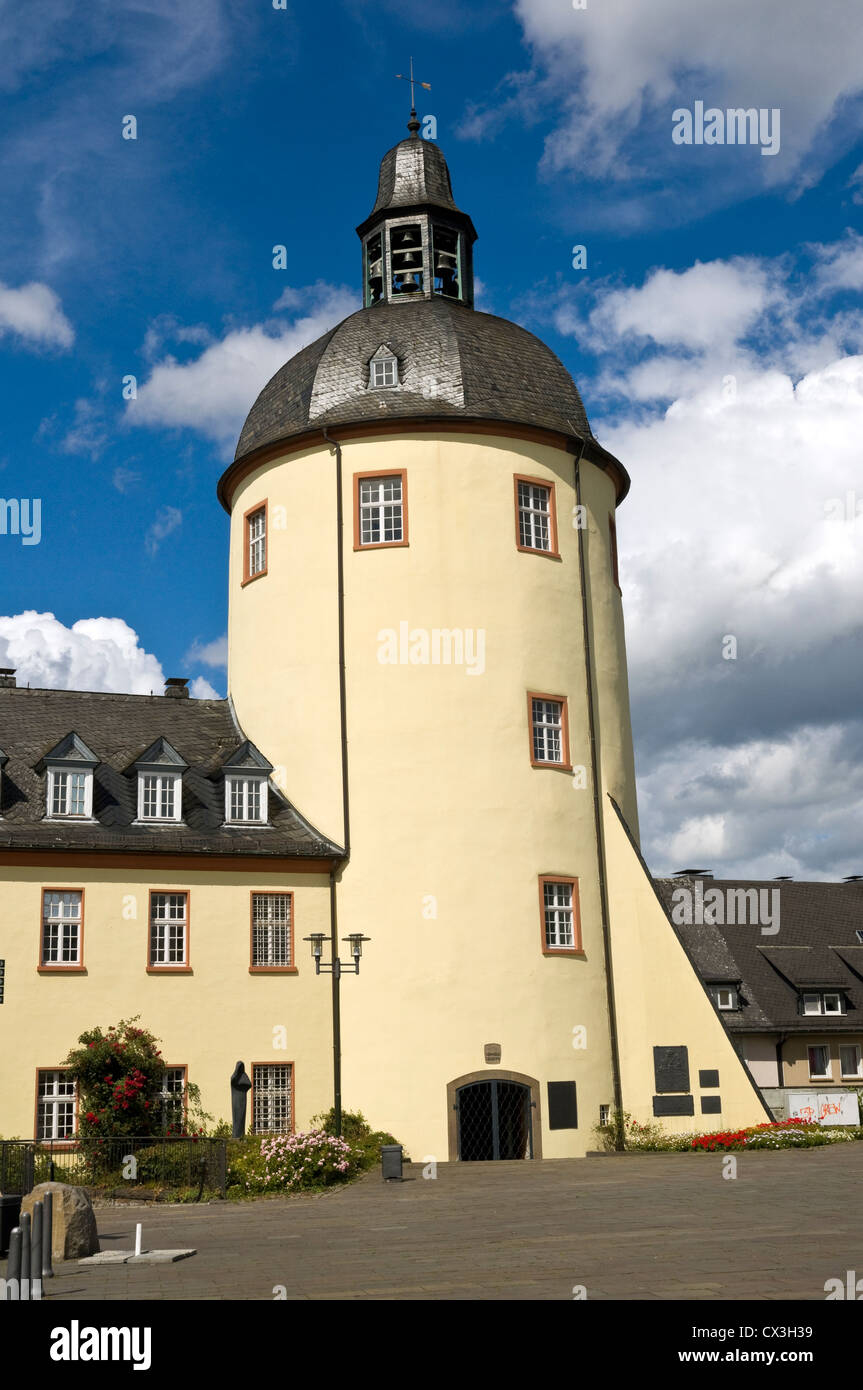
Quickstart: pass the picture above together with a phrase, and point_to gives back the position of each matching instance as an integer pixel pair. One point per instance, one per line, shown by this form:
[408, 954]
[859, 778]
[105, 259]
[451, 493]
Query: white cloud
[213, 653]
[34, 314]
[167, 520]
[213, 393]
[124, 478]
[92, 654]
[201, 689]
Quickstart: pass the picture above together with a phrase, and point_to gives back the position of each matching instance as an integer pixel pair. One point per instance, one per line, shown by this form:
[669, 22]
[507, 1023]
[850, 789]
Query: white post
[138, 1239]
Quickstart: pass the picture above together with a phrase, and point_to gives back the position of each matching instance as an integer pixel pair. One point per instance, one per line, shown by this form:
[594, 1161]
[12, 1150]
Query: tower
[426, 640]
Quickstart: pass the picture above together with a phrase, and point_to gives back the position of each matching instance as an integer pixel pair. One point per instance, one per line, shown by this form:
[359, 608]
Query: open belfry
[424, 764]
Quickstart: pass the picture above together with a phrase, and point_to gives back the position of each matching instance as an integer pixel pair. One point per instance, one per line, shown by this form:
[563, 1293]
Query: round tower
[426, 640]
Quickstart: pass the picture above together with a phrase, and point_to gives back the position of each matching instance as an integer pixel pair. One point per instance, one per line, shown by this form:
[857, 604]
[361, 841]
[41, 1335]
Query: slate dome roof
[452, 361]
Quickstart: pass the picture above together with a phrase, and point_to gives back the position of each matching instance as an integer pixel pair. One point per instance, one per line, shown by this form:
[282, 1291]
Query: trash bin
[10, 1212]
[392, 1157]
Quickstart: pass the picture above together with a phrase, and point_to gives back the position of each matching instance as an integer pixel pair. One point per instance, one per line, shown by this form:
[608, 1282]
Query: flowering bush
[293, 1162]
[771, 1134]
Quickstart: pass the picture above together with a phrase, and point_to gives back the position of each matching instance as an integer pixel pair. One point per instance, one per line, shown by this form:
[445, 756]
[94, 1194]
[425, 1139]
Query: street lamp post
[336, 967]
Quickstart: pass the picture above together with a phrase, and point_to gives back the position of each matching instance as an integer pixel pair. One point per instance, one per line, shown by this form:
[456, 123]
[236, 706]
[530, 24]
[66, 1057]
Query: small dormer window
[384, 372]
[726, 997]
[245, 799]
[159, 772]
[246, 787]
[69, 782]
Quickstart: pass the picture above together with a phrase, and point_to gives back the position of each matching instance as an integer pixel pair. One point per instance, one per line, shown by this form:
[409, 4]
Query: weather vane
[414, 82]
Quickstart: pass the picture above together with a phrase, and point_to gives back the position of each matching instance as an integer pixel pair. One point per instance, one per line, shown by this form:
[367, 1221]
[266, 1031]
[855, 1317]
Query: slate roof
[119, 728]
[414, 171]
[816, 947]
[453, 361]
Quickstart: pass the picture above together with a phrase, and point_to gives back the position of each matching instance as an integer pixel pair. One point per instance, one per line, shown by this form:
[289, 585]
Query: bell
[410, 281]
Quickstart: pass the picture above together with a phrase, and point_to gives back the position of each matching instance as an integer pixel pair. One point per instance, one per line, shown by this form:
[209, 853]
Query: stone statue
[240, 1085]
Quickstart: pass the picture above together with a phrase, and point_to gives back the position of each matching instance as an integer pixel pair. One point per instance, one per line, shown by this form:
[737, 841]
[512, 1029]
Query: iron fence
[114, 1163]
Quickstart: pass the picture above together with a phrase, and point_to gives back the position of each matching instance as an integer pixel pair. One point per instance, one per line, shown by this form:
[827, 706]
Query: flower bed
[775, 1134]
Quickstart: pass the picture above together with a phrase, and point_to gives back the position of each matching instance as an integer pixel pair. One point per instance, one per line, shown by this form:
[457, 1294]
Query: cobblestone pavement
[631, 1227]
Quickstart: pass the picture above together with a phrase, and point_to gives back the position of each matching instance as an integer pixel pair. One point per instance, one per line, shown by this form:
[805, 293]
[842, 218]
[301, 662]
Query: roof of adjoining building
[815, 949]
[119, 729]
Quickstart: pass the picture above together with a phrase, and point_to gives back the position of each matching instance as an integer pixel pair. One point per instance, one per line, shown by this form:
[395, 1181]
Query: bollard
[391, 1162]
[47, 1235]
[25, 1257]
[36, 1253]
[13, 1270]
[138, 1239]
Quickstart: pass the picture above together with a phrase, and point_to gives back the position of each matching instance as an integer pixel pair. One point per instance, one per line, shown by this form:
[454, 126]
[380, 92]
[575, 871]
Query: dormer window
[246, 787]
[69, 784]
[726, 997]
[383, 370]
[159, 771]
[828, 1002]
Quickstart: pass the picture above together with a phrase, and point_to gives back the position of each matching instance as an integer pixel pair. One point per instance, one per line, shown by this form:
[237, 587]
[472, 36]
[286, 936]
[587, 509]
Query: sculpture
[240, 1085]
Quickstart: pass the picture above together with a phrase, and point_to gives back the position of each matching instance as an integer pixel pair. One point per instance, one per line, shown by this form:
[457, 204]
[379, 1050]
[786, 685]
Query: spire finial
[413, 123]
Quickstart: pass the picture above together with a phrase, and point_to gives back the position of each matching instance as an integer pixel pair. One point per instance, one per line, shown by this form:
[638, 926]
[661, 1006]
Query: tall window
[560, 925]
[246, 799]
[851, 1060]
[819, 1062]
[380, 510]
[255, 557]
[169, 929]
[69, 793]
[272, 1098]
[272, 931]
[173, 1098]
[549, 733]
[61, 927]
[55, 1109]
[159, 796]
[536, 526]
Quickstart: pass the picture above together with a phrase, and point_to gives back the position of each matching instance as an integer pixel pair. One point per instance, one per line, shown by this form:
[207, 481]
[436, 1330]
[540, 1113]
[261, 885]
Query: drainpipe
[597, 811]
[346, 819]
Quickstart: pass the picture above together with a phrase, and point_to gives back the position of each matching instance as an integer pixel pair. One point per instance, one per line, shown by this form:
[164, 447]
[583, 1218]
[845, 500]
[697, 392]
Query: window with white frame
[833, 1004]
[256, 542]
[819, 1062]
[160, 796]
[547, 717]
[173, 1098]
[246, 799]
[534, 516]
[384, 372]
[851, 1060]
[272, 931]
[558, 914]
[381, 510]
[812, 1003]
[61, 927]
[55, 1109]
[69, 793]
[272, 1098]
[169, 929]
[828, 1003]
[726, 997]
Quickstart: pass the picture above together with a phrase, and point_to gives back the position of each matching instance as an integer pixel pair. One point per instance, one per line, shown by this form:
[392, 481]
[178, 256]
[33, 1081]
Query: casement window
[830, 1003]
[69, 793]
[384, 371]
[833, 1004]
[55, 1105]
[851, 1061]
[272, 1098]
[535, 520]
[160, 796]
[819, 1062]
[549, 731]
[255, 543]
[172, 1098]
[812, 1003]
[169, 931]
[561, 932]
[380, 510]
[62, 928]
[245, 799]
[726, 997]
[272, 931]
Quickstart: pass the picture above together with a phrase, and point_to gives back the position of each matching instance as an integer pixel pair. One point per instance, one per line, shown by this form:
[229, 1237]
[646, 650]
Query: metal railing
[115, 1163]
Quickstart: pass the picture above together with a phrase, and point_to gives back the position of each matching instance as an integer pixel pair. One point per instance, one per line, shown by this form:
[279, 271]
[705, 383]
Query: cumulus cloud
[213, 653]
[200, 689]
[92, 654]
[33, 314]
[213, 393]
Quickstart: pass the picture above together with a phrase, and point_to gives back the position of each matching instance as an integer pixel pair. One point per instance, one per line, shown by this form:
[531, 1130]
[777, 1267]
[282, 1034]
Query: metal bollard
[36, 1253]
[13, 1270]
[25, 1257]
[47, 1235]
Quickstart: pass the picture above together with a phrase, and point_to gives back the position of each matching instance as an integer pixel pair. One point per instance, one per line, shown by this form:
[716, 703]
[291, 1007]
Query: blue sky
[715, 334]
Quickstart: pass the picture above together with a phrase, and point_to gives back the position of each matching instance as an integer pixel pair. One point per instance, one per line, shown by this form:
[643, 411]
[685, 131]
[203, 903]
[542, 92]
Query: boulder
[74, 1234]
